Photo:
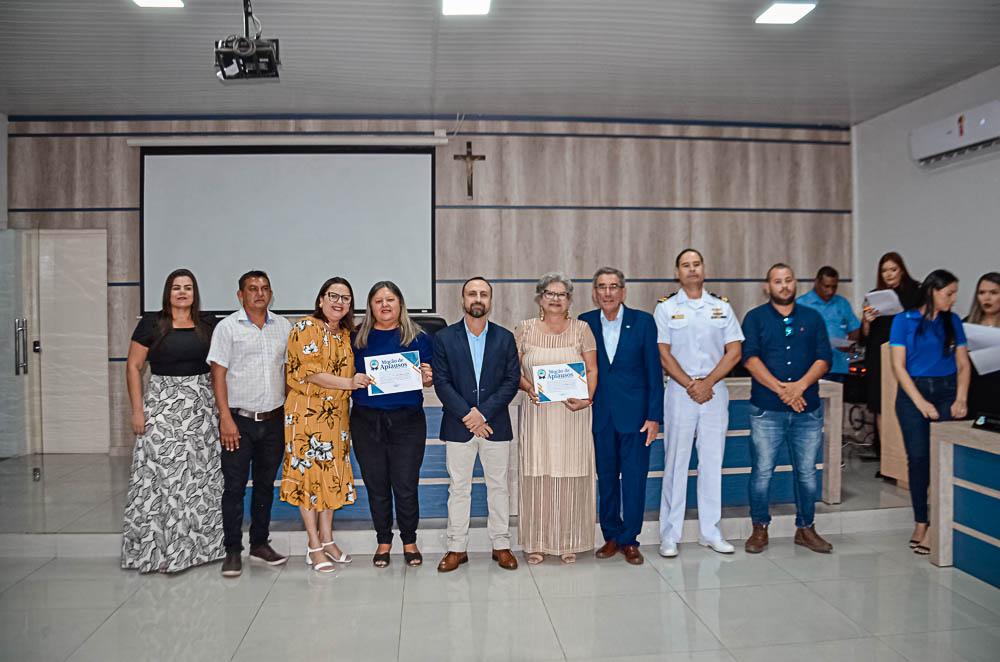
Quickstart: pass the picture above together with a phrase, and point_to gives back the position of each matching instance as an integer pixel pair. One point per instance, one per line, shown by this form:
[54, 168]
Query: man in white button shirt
[699, 339]
[248, 376]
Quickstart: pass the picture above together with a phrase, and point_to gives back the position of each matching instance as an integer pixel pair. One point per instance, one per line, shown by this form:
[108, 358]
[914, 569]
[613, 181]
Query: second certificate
[394, 373]
[560, 381]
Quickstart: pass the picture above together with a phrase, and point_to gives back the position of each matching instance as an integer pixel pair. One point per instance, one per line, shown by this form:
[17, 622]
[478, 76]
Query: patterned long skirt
[173, 515]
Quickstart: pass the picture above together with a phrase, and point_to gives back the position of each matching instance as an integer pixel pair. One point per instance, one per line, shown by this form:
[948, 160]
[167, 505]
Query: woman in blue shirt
[390, 430]
[931, 362]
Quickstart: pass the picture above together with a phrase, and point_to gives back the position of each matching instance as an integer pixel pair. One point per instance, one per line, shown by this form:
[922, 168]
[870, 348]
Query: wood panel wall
[551, 195]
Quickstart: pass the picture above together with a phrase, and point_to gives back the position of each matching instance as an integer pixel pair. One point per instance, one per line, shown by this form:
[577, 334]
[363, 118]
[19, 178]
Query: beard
[780, 300]
[476, 310]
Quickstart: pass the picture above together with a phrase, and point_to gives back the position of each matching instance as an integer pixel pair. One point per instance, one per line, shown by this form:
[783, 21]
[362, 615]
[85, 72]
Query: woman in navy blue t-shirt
[389, 430]
[931, 362]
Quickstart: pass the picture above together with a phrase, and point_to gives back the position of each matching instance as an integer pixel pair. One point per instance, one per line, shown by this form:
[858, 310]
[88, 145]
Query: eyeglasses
[788, 326]
[552, 296]
[614, 287]
[333, 297]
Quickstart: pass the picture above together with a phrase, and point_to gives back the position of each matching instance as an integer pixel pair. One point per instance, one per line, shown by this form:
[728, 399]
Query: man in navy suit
[628, 410]
[476, 375]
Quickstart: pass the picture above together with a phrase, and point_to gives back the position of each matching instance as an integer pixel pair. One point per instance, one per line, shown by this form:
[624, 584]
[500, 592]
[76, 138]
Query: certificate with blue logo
[394, 373]
[560, 381]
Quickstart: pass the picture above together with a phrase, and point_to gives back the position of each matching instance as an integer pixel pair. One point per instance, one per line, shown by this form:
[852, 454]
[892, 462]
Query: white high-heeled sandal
[322, 566]
[344, 556]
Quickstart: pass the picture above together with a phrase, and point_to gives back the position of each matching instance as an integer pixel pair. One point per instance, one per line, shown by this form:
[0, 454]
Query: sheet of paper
[986, 360]
[886, 302]
[560, 381]
[394, 373]
[981, 337]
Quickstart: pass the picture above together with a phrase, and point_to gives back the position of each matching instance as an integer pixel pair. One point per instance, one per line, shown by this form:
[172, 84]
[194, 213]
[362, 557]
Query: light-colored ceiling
[668, 59]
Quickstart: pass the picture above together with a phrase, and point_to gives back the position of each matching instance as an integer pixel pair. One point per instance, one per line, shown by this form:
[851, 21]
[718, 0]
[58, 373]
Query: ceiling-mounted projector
[247, 57]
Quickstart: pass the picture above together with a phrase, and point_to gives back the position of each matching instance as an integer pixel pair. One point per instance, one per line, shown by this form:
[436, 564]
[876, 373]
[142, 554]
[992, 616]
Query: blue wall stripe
[438, 116]
[630, 280]
[978, 467]
[124, 284]
[508, 134]
[978, 511]
[117, 359]
[976, 557]
[37, 210]
[760, 210]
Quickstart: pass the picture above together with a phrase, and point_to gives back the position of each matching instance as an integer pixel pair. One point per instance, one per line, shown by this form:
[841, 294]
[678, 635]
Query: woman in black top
[173, 516]
[891, 275]
[984, 390]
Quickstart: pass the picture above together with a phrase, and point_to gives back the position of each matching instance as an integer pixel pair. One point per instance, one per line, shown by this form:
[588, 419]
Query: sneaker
[807, 537]
[266, 554]
[668, 549]
[758, 539]
[232, 566]
[720, 545]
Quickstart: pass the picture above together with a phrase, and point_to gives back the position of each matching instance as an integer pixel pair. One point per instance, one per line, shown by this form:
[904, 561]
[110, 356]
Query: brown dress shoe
[807, 537]
[607, 550]
[233, 565]
[266, 554]
[505, 559]
[758, 539]
[632, 554]
[452, 560]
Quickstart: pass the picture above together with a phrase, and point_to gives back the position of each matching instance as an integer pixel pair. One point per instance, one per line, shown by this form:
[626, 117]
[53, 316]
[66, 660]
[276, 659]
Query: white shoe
[720, 545]
[344, 556]
[668, 549]
[323, 567]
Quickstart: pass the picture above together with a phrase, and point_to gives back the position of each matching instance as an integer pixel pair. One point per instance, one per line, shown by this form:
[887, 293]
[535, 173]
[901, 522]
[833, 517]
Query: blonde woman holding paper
[556, 503]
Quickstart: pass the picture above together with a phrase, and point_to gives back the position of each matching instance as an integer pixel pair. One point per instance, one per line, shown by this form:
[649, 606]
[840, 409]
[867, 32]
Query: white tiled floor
[871, 600]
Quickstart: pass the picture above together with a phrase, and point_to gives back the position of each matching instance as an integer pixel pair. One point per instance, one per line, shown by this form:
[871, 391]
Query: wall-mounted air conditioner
[963, 133]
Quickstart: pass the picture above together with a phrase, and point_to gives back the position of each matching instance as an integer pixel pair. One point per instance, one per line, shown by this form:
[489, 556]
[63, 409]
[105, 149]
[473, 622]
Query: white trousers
[461, 459]
[683, 418]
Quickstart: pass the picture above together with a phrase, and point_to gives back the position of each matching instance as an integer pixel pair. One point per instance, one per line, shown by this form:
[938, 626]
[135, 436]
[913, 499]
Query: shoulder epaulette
[666, 297]
[723, 299]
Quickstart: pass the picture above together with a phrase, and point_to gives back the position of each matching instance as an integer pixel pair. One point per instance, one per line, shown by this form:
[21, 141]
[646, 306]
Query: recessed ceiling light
[785, 13]
[465, 7]
[159, 3]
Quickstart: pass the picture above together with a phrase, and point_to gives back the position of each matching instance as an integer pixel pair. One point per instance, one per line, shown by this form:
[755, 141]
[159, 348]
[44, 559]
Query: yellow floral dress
[317, 471]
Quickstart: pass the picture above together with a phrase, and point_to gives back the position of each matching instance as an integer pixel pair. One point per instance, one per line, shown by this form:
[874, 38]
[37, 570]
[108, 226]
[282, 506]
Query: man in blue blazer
[476, 375]
[628, 410]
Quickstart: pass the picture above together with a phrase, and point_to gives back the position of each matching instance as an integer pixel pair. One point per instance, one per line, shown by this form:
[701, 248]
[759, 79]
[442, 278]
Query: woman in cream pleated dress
[557, 503]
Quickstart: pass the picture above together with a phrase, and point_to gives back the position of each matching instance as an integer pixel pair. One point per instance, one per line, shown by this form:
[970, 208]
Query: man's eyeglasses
[614, 287]
[552, 296]
[788, 326]
[333, 297]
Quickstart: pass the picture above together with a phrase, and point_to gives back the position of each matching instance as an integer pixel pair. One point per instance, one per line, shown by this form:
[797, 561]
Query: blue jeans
[940, 392]
[803, 432]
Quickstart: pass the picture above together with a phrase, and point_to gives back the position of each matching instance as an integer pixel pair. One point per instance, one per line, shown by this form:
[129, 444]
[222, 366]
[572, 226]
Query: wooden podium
[893, 452]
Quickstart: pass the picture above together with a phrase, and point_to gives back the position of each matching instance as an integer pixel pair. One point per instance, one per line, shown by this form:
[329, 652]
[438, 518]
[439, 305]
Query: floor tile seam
[838, 609]
[717, 635]
[72, 522]
[995, 610]
[257, 612]
[2, 591]
[874, 637]
[545, 606]
[100, 625]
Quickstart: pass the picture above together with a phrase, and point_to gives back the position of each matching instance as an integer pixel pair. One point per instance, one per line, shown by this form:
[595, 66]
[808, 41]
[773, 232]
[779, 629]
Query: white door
[73, 307]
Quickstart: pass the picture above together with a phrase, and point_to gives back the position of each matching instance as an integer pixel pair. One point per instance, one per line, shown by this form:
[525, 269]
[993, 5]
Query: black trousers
[389, 445]
[262, 446]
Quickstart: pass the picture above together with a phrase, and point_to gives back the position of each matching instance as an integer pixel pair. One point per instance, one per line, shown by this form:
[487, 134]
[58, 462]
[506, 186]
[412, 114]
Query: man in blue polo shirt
[836, 313]
[786, 351]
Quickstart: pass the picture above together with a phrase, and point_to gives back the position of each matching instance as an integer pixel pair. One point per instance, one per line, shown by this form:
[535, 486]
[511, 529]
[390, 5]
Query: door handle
[24, 345]
[17, 346]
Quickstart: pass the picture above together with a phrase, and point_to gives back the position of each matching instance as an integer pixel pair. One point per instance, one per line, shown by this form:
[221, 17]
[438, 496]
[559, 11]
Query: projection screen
[302, 215]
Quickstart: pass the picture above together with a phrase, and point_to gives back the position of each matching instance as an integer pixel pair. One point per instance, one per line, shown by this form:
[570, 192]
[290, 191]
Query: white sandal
[344, 556]
[322, 566]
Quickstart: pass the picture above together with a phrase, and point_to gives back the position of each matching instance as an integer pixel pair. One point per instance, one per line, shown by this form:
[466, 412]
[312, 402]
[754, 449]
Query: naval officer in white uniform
[699, 339]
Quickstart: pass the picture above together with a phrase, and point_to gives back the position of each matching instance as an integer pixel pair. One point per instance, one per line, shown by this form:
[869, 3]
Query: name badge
[678, 316]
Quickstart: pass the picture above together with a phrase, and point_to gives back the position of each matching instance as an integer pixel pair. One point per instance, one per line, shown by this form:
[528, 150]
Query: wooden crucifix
[470, 160]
